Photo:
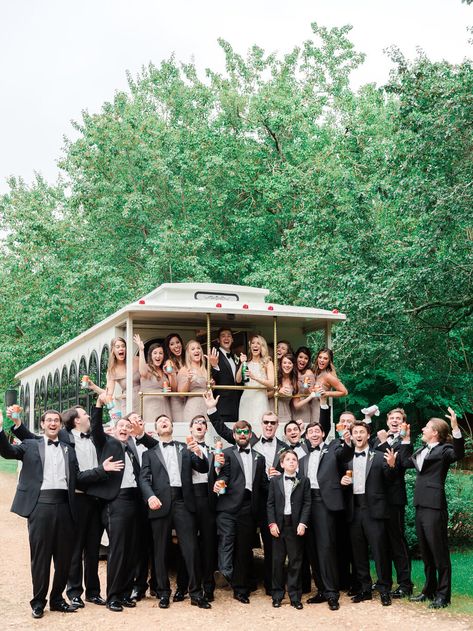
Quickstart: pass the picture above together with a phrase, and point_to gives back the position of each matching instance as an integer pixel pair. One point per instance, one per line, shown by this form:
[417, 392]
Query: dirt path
[226, 614]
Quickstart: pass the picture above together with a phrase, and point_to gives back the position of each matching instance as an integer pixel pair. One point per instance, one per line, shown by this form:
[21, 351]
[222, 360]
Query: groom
[224, 366]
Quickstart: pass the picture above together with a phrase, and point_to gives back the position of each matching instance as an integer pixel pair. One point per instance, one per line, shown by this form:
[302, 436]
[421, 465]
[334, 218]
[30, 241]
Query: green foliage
[273, 173]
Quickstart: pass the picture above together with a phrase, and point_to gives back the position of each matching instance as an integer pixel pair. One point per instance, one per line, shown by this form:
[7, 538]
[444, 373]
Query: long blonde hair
[188, 359]
[265, 358]
[112, 360]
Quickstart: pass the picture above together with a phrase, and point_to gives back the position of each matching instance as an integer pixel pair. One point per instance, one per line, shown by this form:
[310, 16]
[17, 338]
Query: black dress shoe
[438, 603]
[96, 600]
[179, 596]
[333, 604]
[241, 598]
[352, 591]
[201, 603]
[361, 596]
[315, 600]
[420, 598]
[296, 604]
[77, 602]
[137, 595]
[63, 607]
[128, 602]
[164, 602]
[276, 603]
[221, 580]
[401, 592]
[385, 599]
[114, 605]
[209, 597]
[37, 612]
[152, 592]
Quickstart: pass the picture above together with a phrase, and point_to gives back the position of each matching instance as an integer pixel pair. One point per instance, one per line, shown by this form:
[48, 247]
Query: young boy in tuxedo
[288, 516]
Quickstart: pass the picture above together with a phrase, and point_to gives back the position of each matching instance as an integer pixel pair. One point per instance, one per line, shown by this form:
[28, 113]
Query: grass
[8, 466]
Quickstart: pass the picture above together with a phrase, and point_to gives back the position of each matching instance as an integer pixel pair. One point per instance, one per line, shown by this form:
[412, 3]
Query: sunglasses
[243, 432]
[269, 422]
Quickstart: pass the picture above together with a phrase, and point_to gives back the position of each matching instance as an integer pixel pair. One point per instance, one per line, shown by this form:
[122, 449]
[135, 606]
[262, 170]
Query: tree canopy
[274, 173]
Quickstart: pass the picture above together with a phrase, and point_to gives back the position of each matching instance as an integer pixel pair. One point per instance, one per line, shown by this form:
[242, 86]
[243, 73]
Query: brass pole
[275, 356]
[140, 394]
[208, 351]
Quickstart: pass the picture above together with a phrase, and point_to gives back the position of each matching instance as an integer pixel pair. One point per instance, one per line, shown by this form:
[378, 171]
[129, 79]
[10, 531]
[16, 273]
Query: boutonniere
[257, 455]
[371, 455]
[236, 359]
[66, 449]
[324, 451]
[179, 448]
[282, 450]
[296, 483]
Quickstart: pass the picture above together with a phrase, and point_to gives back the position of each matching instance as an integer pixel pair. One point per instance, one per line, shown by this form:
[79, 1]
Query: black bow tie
[202, 444]
[266, 440]
[53, 442]
[229, 355]
[390, 435]
[86, 435]
[171, 442]
[311, 449]
[360, 453]
[243, 450]
[288, 477]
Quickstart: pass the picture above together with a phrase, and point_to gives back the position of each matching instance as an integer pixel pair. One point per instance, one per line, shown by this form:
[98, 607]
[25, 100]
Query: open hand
[210, 400]
[390, 456]
[110, 465]
[452, 417]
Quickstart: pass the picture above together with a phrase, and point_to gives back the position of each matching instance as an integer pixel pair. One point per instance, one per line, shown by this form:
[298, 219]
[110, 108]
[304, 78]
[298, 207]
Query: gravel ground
[226, 614]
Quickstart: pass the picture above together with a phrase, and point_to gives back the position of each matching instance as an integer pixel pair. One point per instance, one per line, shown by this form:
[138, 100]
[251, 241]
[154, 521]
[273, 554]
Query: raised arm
[96, 424]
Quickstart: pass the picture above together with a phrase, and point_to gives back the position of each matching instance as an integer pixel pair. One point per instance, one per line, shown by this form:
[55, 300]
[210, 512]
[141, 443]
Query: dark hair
[314, 424]
[168, 354]
[284, 453]
[292, 375]
[224, 328]
[330, 366]
[43, 416]
[291, 423]
[162, 416]
[69, 416]
[362, 424]
[151, 366]
[199, 417]
[127, 417]
[306, 351]
[241, 425]
[288, 344]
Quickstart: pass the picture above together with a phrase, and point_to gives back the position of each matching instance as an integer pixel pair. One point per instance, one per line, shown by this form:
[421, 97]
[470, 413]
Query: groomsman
[122, 499]
[432, 463]
[46, 497]
[288, 516]
[166, 485]
[322, 467]
[224, 367]
[243, 476]
[397, 500]
[367, 511]
[292, 433]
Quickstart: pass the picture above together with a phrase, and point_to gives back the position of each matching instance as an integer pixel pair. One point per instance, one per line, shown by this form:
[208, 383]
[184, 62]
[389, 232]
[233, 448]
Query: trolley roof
[184, 304]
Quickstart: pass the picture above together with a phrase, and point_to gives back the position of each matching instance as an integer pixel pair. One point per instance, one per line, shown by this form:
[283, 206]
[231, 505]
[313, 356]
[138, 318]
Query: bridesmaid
[326, 378]
[287, 386]
[116, 373]
[174, 361]
[153, 379]
[192, 377]
[305, 384]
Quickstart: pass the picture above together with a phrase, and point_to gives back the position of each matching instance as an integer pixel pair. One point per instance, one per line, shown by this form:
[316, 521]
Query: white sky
[58, 57]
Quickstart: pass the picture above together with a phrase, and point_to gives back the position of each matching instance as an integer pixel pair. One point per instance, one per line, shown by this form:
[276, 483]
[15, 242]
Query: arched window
[42, 395]
[72, 398]
[64, 388]
[22, 399]
[94, 375]
[49, 394]
[82, 398]
[26, 406]
[36, 406]
[103, 366]
[56, 393]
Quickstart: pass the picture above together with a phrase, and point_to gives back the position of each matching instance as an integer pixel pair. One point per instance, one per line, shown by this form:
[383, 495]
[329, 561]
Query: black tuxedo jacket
[378, 476]
[229, 399]
[32, 454]
[154, 478]
[233, 474]
[300, 501]
[397, 489]
[430, 480]
[325, 420]
[332, 456]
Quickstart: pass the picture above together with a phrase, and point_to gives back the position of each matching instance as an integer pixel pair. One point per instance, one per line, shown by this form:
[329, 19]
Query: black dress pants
[267, 539]
[236, 532]
[323, 533]
[144, 567]
[291, 545]
[183, 522]
[368, 532]
[51, 531]
[85, 557]
[431, 527]
[120, 519]
[398, 548]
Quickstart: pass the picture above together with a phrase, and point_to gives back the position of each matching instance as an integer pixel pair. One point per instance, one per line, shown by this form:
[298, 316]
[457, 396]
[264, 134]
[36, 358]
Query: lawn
[8, 466]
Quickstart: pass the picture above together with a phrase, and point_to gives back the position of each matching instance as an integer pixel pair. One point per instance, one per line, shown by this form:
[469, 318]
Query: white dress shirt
[128, 480]
[85, 451]
[359, 471]
[268, 450]
[172, 463]
[392, 438]
[288, 487]
[230, 360]
[140, 449]
[247, 460]
[54, 471]
[313, 467]
[201, 478]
